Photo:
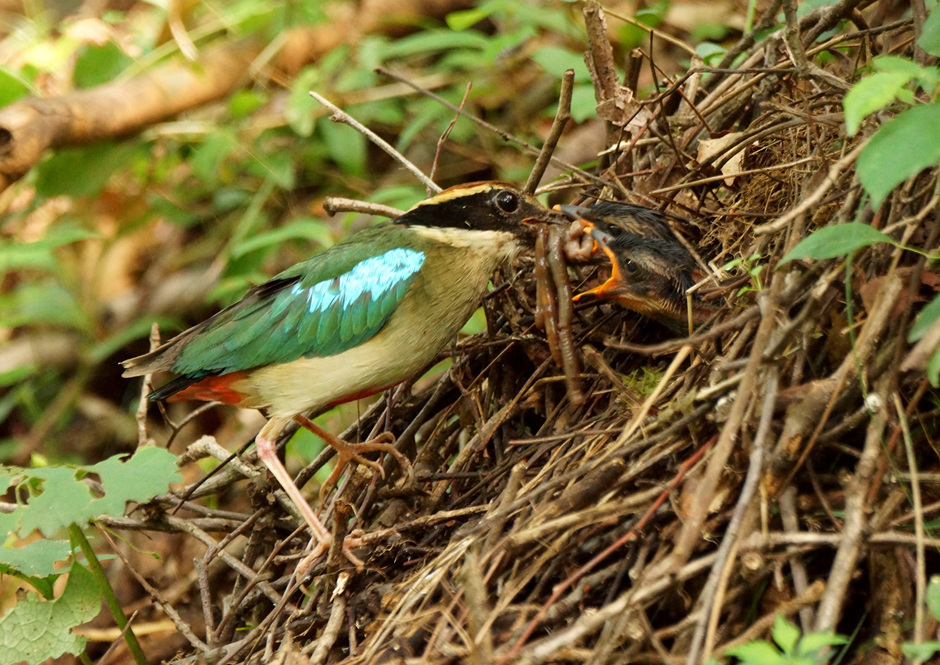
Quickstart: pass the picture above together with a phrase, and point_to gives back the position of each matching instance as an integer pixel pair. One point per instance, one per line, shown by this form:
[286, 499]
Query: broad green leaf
[871, 94]
[245, 102]
[467, 18]
[82, 171]
[929, 39]
[785, 634]
[64, 499]
[556, 60]
[710, 52]
[832, 241]
[45, 303]
[96, 65]
[35, 559]
[933, 596]
[37, 630]
[12, 86]
[903, 147]
[927, 317]
[920, 653]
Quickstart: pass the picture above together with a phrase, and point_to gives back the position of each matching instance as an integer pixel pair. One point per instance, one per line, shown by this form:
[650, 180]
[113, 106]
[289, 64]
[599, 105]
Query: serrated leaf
[36, 630]
[813, 642]
[933, 596]
[871, 94]
[785, 634]
[64, 499]
[36, 559]
[832, 241]
[758, 651]
[904, 146]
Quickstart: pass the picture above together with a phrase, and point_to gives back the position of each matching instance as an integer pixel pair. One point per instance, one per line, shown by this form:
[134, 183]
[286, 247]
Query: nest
[761, 466]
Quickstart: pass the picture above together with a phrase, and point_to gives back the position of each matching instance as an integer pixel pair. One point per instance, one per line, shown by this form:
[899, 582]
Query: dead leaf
[708, 148]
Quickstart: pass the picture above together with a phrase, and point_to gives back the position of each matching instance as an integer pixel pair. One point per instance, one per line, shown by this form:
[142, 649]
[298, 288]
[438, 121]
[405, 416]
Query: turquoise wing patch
[287, 318]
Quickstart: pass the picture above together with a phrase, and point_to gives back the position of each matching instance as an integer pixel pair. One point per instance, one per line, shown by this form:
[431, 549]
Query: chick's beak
[602, 240]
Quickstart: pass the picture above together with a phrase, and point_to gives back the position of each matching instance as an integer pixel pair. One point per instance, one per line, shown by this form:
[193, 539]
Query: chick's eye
[614, 231]
[629, 266]
[507, 201]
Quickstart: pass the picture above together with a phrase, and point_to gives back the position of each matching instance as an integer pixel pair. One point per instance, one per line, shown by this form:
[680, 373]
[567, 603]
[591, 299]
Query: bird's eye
[507, 201]
[630, 266]
[614, 230]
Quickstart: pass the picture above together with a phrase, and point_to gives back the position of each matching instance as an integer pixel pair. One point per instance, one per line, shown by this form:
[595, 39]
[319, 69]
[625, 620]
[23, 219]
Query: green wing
[320, 307]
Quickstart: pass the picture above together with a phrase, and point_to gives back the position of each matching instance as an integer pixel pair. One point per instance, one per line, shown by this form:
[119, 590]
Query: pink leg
[266, 444]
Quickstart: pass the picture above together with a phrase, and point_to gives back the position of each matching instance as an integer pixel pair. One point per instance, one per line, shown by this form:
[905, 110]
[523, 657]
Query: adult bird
[650, 270]
[368, 313]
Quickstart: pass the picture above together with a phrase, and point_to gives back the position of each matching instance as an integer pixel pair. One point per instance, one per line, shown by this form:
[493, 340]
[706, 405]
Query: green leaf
[46, 303]
[832, 241]
[39, 255]
[785, 634]
[813, 642]
[431, 41]
[346, 146]
[245, 102]
[927, 317]
[302, 110]
[920, 653]
[758, 652]
[467, 18]
[36, 630]
[96, 65]
[305, 229]
[556, 60]
[35, 559]
[903, 147]
[207, 159]
[710, 52]
[871, 94]
[933, 369]
[12, 86]
[82, 171]
[933, 596]
[63, 498]
[929, 39]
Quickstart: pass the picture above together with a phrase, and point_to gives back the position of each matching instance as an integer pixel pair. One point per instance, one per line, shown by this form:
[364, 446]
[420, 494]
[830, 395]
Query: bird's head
[622, 217]
[491, 213]
[649, 275]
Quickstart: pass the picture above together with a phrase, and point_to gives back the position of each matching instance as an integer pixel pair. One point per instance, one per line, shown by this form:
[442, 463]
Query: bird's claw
[352, 452]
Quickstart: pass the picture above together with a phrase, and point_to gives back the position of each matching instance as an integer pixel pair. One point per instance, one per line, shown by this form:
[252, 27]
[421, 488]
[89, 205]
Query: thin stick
[450, 127]
[339, 115]
[335, 204]
[506, 136]
[558, 126]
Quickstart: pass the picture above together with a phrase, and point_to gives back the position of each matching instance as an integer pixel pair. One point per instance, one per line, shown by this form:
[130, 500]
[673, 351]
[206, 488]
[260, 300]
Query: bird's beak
[602, 240]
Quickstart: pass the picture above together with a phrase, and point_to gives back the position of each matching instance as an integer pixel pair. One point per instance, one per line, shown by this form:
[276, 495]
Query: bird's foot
[353, 452]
